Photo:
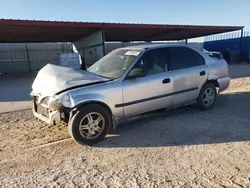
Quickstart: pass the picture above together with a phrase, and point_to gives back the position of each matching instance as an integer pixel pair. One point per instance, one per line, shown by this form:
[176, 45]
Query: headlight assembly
[45, 101]
[55, 102]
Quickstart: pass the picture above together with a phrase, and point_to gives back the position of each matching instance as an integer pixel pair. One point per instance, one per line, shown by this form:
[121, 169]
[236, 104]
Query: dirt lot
[184, 148]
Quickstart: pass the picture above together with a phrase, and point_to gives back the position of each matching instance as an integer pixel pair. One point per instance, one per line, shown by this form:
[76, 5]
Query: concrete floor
[15, 88]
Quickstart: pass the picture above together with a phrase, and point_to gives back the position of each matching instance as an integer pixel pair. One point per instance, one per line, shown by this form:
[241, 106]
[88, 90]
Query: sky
[195, 12]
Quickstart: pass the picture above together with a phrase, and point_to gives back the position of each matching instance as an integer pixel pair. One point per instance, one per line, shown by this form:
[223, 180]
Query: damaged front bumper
[50, 116]
[53, 118]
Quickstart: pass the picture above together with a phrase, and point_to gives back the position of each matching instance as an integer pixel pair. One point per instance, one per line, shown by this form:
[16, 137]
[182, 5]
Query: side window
[182, 57]
[153, 61]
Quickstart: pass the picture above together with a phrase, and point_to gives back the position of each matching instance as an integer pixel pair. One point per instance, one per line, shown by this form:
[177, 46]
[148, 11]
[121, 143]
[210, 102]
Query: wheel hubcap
[91, 125]
[208, 97]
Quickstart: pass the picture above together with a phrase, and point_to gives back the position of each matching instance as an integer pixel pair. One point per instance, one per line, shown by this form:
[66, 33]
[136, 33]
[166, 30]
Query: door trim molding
[155, 97]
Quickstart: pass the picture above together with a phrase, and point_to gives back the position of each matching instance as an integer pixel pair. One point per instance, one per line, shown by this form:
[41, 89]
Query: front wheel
[207, 97]
[90, 124]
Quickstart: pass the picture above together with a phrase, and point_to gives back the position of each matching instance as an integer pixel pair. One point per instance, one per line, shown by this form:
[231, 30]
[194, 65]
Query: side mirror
[136, 72]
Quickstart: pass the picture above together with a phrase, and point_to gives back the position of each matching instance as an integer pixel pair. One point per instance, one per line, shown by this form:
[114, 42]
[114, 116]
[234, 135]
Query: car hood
[52, 79]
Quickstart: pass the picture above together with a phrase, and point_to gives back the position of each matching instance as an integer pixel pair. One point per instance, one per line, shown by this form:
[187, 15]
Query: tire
[205, 100]
[90, 132]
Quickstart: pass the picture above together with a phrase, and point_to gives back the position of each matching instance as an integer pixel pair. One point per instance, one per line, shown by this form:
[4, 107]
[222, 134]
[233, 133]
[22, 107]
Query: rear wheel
[90, 124]
[207, 96]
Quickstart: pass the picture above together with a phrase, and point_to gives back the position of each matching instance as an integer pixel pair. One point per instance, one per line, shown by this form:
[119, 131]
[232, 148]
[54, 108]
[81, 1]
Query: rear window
[183, 57]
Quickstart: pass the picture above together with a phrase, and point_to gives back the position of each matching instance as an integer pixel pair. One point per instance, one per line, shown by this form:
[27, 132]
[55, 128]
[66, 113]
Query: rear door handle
[202, 73]
[165, 81]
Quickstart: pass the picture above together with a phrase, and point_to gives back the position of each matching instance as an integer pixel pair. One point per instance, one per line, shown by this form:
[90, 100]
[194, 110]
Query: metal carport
[55, 31]
[89, 38]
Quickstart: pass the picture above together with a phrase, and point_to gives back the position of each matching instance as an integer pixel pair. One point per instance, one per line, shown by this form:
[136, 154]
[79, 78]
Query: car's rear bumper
[223, 83]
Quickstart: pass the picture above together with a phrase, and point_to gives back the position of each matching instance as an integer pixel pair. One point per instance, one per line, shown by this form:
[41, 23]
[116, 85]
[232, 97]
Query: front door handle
[202, 73]
[165, 81]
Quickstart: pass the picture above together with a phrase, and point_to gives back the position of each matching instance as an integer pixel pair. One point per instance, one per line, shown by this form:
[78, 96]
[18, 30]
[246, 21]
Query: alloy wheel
[208, 97]
[91, 125]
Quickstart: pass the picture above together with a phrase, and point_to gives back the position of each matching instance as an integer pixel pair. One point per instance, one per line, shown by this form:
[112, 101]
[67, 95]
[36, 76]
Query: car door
[150, 92]
[189, 73]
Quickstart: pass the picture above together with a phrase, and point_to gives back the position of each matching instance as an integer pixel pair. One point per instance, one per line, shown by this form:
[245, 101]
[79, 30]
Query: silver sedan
[126, 82]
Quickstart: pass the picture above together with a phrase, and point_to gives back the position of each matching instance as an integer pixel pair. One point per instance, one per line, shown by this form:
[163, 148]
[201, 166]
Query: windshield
[114, 64]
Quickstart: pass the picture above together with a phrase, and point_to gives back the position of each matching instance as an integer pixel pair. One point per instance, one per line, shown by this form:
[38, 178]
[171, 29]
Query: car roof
[152, 46]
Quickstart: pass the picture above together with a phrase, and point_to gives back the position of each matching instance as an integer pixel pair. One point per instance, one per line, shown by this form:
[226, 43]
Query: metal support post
[103, 42]
[62, 47]
[241, 44]
[186, 39]
[28, 56]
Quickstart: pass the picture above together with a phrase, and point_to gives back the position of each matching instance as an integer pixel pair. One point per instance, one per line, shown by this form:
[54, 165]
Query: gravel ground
[183, 148]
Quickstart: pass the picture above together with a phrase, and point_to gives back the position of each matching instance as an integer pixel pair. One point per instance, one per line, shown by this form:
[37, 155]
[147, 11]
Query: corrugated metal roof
[124, 23]
[65, 31]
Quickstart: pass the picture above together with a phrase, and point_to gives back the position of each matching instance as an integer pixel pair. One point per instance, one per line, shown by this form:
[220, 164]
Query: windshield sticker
[134, 53]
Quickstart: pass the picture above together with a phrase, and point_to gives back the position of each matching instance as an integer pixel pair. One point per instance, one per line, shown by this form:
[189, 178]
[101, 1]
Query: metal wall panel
[230, 44]
[22, 57]
[91, 47]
